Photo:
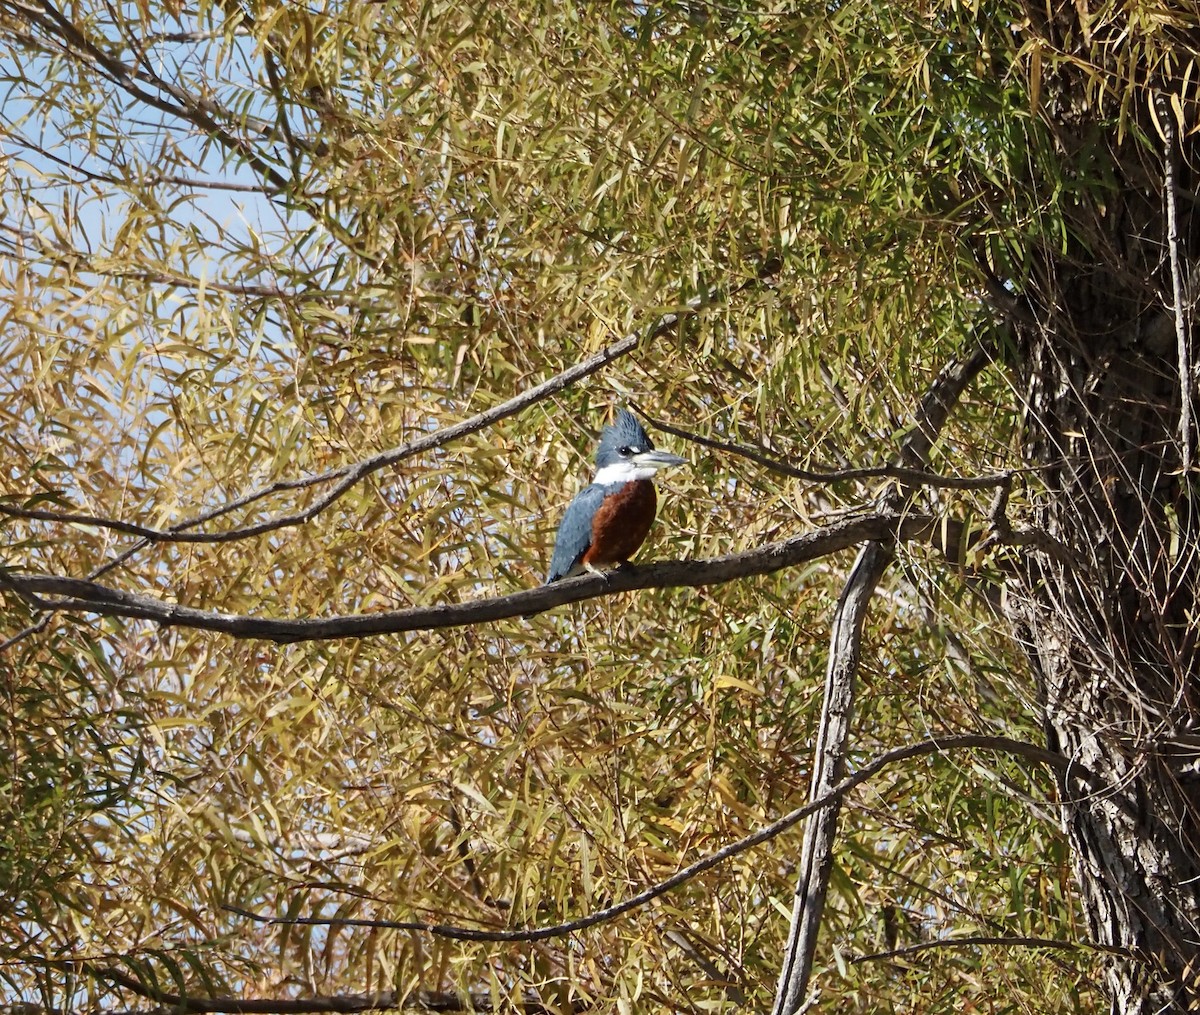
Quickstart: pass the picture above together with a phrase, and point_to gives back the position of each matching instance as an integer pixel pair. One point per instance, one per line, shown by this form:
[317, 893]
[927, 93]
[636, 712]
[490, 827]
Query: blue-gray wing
[575, 532]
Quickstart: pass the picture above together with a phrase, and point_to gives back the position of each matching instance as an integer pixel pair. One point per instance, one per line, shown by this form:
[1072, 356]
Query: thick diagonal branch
[829, 762]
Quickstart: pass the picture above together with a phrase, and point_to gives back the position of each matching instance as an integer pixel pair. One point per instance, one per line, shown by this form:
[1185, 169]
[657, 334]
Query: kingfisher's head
[626, 452]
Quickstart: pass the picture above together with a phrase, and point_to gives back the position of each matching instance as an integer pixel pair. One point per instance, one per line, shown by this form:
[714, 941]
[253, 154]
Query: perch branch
[81, 596]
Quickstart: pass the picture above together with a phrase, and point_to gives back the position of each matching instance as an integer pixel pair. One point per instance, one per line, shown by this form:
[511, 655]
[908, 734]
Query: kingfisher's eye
[625, 451]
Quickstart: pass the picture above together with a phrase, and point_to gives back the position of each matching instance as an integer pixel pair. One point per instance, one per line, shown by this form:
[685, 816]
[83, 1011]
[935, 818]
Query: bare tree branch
[346, 477]
[978, 940]
[816, 864]
[81, 596]
[937, 745]
[415, 1000]
[912, 477]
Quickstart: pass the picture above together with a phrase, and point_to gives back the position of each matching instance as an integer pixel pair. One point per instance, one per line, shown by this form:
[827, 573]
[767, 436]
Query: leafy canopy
[248, 244]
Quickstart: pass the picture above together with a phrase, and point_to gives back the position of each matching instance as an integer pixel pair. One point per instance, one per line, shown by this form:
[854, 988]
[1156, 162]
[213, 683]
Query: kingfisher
[608, 520]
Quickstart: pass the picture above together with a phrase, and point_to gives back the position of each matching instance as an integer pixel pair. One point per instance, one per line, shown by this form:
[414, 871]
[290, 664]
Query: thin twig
[75, 43]
[1166, 117]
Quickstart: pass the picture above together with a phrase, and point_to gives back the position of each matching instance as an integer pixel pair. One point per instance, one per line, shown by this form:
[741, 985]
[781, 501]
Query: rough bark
[1111, 630]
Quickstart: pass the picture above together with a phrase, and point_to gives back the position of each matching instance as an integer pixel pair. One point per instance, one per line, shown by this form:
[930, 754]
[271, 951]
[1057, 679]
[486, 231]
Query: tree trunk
[1110, 628]
[1106, 608]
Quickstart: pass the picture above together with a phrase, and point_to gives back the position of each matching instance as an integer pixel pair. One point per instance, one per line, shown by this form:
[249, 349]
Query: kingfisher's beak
[656, 460]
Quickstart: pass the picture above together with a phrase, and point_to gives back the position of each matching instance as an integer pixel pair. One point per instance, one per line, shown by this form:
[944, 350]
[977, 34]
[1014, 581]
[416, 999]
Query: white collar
[622, 472]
